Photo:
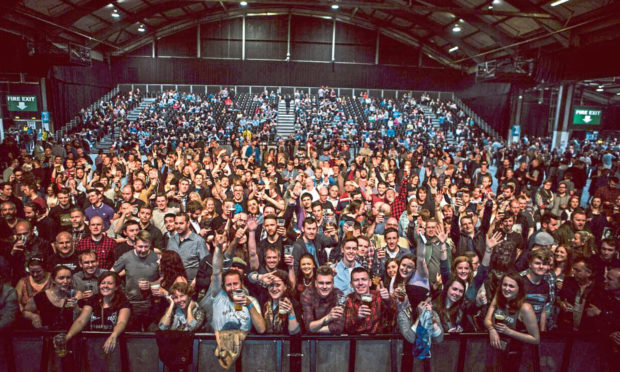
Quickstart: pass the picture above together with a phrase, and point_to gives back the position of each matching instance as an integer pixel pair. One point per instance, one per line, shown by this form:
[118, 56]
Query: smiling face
[107, 286]
[510, 288]
[391, 269]
[560, 254]
[455, 292]
[324, 285]
[63, 280]
[349, 251]
[406, 268]
[272, 259]
[180, 299]
[277, 288]
[360, 281]
[463, 269]
[306, 265]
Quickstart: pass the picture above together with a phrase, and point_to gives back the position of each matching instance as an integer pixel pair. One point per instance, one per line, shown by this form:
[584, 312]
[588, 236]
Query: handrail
[477, 119]
[137, 350]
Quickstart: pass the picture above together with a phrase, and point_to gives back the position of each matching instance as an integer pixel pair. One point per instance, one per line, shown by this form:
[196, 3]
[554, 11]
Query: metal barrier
[25, 351]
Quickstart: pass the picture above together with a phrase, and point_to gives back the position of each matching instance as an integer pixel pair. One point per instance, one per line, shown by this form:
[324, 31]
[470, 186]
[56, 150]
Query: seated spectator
[107, 311]
[37, 280]
[323, 305]
[183, 313]
[53, 308]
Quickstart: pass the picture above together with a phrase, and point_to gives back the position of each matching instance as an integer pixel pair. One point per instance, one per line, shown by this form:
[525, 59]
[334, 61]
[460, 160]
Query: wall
[491, 101]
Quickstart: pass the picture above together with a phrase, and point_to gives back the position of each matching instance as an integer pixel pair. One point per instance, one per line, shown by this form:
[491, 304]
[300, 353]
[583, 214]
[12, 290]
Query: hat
[543, 238]
[238, 262]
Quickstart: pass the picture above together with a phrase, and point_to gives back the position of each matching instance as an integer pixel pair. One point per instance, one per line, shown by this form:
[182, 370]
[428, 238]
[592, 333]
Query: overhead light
[243, 3]
[497, 2]
[141, 28]
[335, 6]
[559, 2]
[490, 6]
[453, 49]
[456, 28]
[115, 13]
[600, 88]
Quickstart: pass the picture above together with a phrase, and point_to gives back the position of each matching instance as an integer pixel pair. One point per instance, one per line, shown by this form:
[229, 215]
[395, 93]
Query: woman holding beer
[511, 323]
[282, 312]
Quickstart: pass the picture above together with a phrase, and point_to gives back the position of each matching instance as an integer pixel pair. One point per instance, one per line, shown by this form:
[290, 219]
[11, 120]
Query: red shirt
[104, 249]
[353, 324]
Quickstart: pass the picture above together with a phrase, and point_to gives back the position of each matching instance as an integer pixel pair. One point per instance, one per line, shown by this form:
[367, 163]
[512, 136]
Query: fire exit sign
[587, 116]
[22, 103]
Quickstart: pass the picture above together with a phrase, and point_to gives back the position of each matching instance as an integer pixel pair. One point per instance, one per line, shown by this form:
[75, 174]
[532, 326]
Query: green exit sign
[587, 116]
[22, 103]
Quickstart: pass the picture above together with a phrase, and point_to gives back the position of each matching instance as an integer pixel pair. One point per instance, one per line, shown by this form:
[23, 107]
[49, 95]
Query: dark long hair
[171, 268]
[398, 279]
[119, 296]
[449, 313]
[300, 275]
[518, 301]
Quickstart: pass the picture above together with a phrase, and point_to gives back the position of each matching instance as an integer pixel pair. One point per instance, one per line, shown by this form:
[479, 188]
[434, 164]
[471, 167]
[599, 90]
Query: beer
[280, 221]
[366, 299]
[238, 295]
[499, 317]
[282, 312]
[376, 280]
[60, 345]
[400, 292]
[288, 251]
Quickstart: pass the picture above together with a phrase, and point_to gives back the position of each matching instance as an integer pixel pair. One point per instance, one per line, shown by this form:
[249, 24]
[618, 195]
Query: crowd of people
[357, 225]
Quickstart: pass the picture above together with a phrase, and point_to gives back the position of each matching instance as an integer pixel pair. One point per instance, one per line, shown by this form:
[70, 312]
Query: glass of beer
[60, 345]
[280, 222]
[376, 280]
[282, 312]
[499, 316]
[288, 251]
[366, 299]
[400, 292]
[238, 295]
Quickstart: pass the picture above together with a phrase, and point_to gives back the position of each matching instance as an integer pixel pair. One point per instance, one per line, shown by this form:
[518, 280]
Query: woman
[562, 264]
[305, 274]
[38, 280]
[281, 311]
[425, 202]
[407, 216]
[106, 311]
[391, 269]
[171, 270]
[183, 314]
[51, 199]
[449, 305]
[583, 244]
[511, 322]
[406, 268]
[573, 203]
[54, 307]
[594, 209]
[208, 212]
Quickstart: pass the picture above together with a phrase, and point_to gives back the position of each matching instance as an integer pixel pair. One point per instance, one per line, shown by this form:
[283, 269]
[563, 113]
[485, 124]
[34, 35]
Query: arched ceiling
[489, 29]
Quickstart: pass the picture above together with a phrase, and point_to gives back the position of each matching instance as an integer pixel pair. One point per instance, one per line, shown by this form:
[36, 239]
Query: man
[605, 259]
[127, 195]
[189, 245]
[31, 196]
[575, 296]
[144, 215]
[98, 208]
[130, 230]
[566, 232]
[469, 239]
[606, 311]
[85, 281]
[608, 193]
[78, 225]
[560, 201]
[275, 238]
[321, 311]
[391, 249]
[64, 253]
[549, 223]
[141, 268]
[361, 316]
[25, 246]
[170, 229]
[380, 240]
[537, 290]
[345, 266]
[43, 226]
[103, 246]
[226, 302]
[62, 211]
[6, 194]
[434, 243]
[318, 245]
[8, 212]
[161, 210]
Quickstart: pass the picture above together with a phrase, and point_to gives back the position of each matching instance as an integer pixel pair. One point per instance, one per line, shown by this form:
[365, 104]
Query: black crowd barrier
[33, 351]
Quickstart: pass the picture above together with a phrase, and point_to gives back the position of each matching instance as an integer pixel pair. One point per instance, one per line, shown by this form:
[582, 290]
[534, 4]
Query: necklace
[306, 284]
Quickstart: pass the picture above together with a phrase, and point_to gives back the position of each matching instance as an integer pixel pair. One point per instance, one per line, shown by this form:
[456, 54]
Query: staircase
[430, 115]
[106, 142]
[286, 122]
[135, 113]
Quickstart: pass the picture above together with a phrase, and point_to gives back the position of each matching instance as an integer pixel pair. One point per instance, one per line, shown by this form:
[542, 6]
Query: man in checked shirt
[364, 308]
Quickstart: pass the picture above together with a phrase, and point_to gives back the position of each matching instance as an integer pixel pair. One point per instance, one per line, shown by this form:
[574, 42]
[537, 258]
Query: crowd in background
[354, 224]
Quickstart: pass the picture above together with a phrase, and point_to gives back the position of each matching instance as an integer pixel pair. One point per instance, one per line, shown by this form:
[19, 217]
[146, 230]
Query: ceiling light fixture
[559, 2]
[456, 28]
[453, 49]
[243, 3]
[335, 6]
[490, 6]
[141, 28]
[600, 88]
[499, 1]
[115, 13]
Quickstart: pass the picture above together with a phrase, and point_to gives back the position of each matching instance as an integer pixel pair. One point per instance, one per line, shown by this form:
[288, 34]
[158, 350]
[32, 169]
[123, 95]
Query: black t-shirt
[105, 319]
[62, 216]
[537, 295]
[52, 317]
[71, 262]
[121, 249]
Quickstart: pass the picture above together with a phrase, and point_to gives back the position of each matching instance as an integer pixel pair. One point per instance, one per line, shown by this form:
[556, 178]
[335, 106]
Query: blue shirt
[342, 280]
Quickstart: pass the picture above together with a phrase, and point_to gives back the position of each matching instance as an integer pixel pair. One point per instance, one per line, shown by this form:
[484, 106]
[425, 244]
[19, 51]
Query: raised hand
[493, 240]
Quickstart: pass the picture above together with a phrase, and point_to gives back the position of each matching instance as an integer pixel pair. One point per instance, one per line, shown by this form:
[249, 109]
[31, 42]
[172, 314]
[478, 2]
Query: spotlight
[453, 49]
[456, 28]
[335, 6]
[141, 28]
[115, 13]
[243, 3]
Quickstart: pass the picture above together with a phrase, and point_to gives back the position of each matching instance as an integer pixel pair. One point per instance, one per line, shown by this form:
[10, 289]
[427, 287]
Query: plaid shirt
[315, 307]
[104, 249]
[353, 324]
[400, 202]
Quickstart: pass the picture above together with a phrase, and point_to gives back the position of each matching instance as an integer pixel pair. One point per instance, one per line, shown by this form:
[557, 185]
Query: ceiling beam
[72, 16]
